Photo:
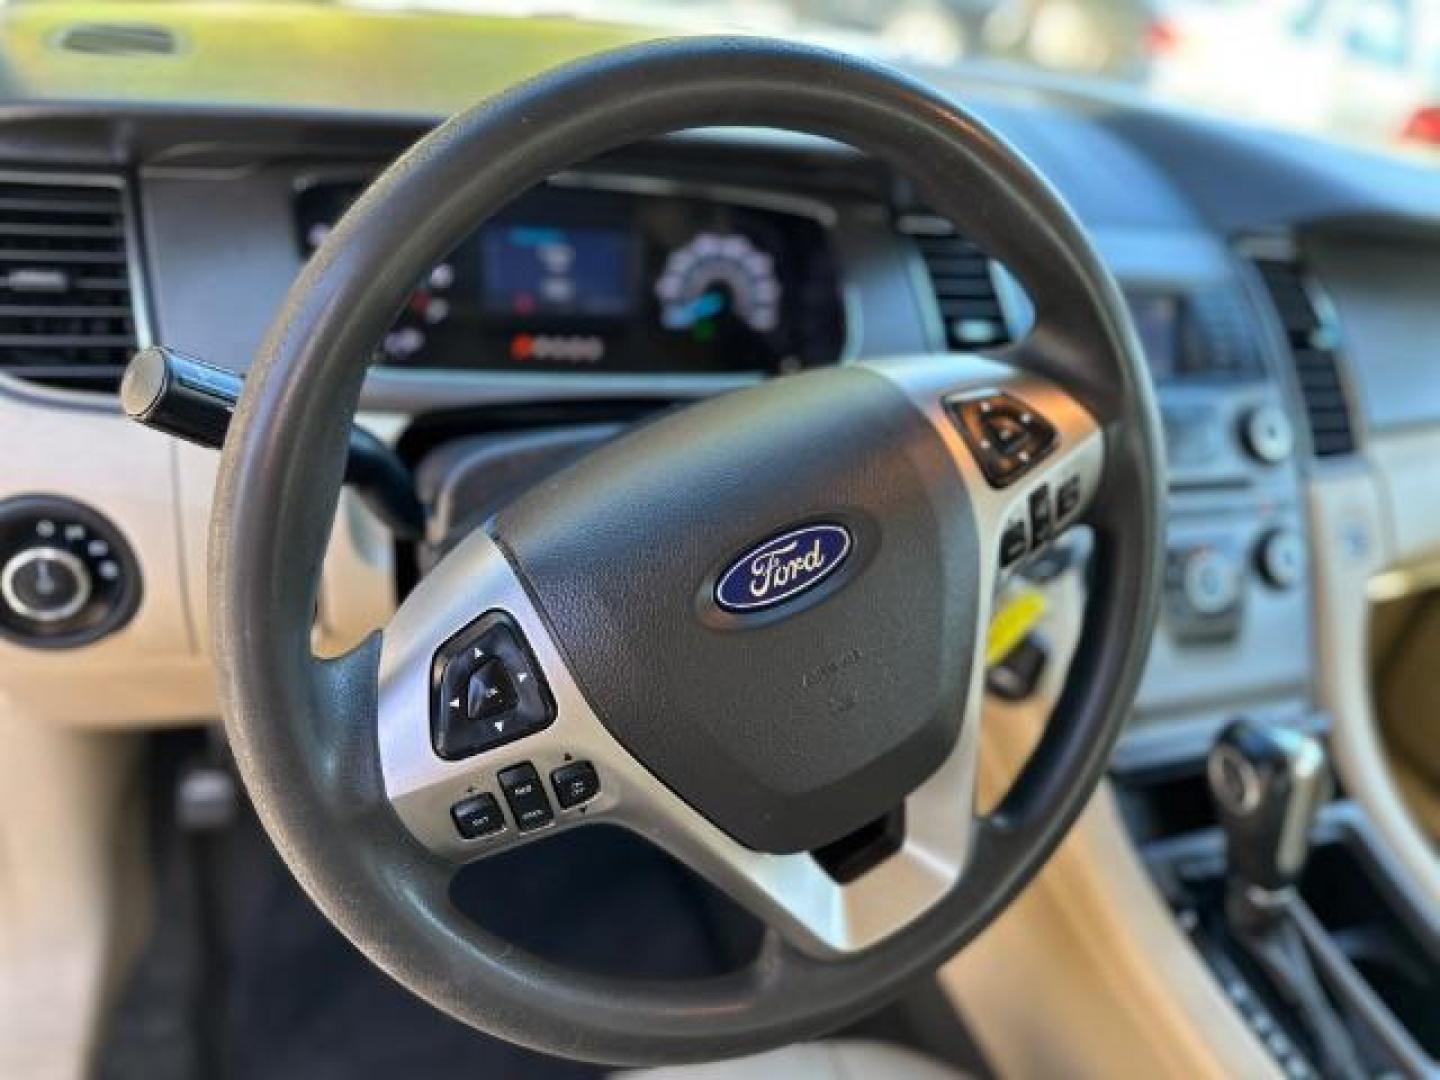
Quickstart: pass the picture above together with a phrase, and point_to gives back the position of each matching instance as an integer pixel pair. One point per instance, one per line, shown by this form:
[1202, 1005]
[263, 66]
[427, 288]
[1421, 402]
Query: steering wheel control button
[1067, 498]
[1004, 434]
[478, 816]
[67, 577]
[1014, 543]
[1042, 517]
[487, 690]
[526, 796]
[490, 692]
[574, 784]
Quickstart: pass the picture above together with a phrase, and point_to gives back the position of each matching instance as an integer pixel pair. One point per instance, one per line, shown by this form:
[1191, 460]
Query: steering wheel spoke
[1031, 456]
[812, 909]
[486, 743]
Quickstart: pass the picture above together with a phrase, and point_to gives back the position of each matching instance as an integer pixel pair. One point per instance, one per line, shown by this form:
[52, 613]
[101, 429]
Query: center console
[1234, 624]
[1279, 882]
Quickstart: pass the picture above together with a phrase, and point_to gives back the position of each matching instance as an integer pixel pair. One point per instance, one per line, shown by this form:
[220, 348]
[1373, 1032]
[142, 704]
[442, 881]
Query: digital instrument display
[585, 279]
[540, 270]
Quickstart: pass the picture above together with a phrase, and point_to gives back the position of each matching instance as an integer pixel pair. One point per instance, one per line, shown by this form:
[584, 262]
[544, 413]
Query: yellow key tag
[1017, 616]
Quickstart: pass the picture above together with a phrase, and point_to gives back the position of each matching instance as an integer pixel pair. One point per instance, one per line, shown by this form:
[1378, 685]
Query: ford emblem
[783, 567]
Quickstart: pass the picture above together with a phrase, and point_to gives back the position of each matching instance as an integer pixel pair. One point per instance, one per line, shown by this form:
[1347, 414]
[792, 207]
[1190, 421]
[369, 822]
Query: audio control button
[1205, 591]
[1267, 434]
[1210, 582]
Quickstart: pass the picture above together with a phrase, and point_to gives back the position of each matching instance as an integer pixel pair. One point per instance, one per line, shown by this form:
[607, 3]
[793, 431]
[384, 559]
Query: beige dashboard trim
[1365, 519]
[1088, 973]
[156, 670]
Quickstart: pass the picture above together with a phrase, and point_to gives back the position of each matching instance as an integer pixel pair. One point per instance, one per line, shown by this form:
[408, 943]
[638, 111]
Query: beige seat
[836, 1060]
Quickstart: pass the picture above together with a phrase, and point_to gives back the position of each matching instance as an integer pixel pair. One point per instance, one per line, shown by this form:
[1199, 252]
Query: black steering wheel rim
[298, 726]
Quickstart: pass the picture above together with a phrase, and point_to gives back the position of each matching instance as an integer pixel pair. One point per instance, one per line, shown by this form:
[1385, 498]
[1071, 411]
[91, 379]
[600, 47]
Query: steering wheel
[746, 630]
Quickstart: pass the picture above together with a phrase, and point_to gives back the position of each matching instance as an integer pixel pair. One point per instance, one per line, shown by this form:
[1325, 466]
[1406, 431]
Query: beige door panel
[73, 881]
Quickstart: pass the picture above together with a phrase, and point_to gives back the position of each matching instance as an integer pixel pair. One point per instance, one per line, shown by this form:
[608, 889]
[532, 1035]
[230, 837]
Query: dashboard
[618, 276]
[683, 267]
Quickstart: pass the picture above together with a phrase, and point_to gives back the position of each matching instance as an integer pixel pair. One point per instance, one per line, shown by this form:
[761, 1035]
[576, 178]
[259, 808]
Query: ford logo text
[782, 568]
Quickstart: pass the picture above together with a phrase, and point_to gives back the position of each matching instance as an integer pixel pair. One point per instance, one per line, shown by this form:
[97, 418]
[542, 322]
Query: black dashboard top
[240, 92]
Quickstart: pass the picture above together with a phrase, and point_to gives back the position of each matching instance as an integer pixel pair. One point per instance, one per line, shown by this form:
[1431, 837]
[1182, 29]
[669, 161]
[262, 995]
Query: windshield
[1365, 71]
[1360, 71]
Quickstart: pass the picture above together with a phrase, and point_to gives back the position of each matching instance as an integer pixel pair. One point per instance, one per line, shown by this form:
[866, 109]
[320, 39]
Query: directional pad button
[490, 693]
[487, 689]
[1006, 436]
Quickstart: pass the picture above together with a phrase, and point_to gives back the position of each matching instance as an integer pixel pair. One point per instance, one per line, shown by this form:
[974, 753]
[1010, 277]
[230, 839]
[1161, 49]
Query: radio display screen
[1157, 323]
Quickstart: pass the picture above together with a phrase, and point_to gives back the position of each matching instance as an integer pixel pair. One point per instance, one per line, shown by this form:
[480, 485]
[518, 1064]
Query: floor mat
[245, 980]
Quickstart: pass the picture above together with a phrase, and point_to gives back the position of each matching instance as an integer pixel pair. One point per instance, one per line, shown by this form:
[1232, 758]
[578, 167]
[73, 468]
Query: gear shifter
[1268, 785]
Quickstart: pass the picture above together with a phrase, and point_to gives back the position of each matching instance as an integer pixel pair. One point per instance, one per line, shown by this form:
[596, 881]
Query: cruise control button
[526, 796]
[1042, 521]
[575, 783]
[1067, 498]
[1014, 542]
[477, 816]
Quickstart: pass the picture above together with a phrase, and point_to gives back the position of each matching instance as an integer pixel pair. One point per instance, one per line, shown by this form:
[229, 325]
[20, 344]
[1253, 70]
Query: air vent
[962, 277]
[118, 39]
[1314, 342]
[66, 314]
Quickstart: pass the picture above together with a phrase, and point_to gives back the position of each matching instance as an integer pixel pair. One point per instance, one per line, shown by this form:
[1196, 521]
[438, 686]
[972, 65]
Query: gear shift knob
[1268, 785]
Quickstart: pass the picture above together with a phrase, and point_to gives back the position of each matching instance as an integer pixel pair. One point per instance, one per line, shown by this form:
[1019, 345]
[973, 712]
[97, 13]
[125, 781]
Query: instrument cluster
[598, 280]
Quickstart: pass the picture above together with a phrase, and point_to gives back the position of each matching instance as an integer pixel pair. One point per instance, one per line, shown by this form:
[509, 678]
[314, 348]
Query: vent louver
[118, 39]
[1314, 343]
[66, 310]
[962, 278]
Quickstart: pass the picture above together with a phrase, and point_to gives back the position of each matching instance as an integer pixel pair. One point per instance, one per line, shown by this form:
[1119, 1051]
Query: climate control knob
[1209, 581]
[1267, 434]
[45, 584]
[1280, 558]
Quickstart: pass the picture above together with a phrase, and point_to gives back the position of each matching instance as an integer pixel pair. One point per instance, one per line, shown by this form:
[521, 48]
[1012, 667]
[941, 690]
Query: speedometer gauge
[716, 277]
